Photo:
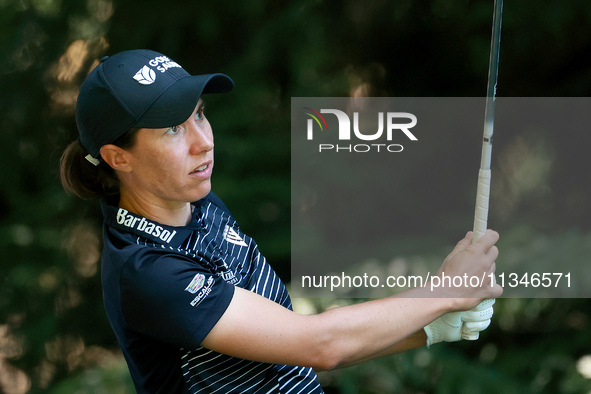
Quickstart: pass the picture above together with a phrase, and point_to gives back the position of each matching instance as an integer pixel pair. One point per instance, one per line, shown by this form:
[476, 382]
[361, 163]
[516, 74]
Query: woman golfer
[193, 303]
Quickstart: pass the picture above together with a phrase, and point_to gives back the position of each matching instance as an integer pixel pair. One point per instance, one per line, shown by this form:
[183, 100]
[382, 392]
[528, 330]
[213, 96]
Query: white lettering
[360, 148]
[121, 213]
[395, 145]
[150, 228]
[344, 122]
[171, 236]
[129, 221]
[164, 235]
[369, 137]
[204, 292]
[378, 146]
[163, 63]
[159, 59]
[403, 127]
[142, 225]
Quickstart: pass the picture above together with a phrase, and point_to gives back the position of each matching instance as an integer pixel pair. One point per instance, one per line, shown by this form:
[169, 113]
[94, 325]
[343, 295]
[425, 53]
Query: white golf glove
[477, 319]
[448, 328]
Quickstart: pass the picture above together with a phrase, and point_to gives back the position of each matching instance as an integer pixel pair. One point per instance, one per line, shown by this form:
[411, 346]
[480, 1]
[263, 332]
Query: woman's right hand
[467, 274]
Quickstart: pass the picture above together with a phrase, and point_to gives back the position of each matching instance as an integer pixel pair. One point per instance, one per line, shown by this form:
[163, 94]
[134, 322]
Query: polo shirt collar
[128, 222]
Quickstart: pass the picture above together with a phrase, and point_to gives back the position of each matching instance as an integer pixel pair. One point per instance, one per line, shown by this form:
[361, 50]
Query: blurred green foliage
[54, 336]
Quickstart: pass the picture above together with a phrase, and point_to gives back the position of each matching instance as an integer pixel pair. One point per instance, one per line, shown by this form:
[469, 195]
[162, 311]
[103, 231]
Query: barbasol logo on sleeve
[144, 225]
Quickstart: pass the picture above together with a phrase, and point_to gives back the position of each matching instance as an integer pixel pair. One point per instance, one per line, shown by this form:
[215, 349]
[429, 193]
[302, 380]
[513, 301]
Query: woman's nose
[201, 136]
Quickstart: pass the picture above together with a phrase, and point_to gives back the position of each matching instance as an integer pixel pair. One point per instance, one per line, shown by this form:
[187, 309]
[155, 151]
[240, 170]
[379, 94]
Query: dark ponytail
[84, 179]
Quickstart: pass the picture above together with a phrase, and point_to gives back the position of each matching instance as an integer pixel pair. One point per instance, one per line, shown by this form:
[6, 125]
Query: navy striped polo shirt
[165, 288]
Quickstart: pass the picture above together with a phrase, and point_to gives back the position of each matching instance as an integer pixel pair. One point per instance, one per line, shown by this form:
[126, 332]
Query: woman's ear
[116, 157]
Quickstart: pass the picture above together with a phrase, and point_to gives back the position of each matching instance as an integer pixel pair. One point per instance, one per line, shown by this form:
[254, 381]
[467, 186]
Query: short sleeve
[172, 298]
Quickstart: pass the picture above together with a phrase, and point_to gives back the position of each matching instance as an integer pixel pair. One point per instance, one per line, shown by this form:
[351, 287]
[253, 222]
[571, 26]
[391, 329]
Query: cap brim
[177, 103]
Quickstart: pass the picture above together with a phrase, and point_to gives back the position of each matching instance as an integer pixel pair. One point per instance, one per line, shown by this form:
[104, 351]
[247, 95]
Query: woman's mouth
[203, 171]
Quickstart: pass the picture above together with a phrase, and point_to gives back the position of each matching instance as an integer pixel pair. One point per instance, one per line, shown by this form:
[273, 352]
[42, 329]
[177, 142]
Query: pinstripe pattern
[244, 266]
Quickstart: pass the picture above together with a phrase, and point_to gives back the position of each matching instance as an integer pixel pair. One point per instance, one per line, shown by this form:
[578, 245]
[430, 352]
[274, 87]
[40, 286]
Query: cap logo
[145, 76]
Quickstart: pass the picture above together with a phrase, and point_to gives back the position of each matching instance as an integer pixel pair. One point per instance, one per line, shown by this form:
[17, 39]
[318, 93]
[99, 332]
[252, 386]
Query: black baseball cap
[139, 88]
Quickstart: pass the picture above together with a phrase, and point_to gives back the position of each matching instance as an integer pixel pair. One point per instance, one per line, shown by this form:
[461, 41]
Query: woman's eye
[199, 114]
[173, 130]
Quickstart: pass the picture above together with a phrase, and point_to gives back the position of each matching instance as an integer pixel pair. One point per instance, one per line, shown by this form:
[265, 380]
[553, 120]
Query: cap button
[104, 58]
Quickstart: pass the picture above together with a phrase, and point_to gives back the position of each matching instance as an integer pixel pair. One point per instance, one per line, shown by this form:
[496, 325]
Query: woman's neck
[173, 213]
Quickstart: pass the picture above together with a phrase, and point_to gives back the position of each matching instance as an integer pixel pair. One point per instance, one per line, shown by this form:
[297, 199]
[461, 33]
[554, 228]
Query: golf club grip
[468, 335]
[480, 224]
[482, 199]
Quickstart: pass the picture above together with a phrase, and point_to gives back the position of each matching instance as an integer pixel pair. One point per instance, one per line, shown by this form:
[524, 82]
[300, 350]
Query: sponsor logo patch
[232, 236]
[204, 292]
[145, 76]
[196, 284]
[144, 225]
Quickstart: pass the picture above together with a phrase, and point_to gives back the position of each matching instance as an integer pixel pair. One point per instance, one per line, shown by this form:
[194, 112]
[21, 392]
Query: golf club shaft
[484, 174]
